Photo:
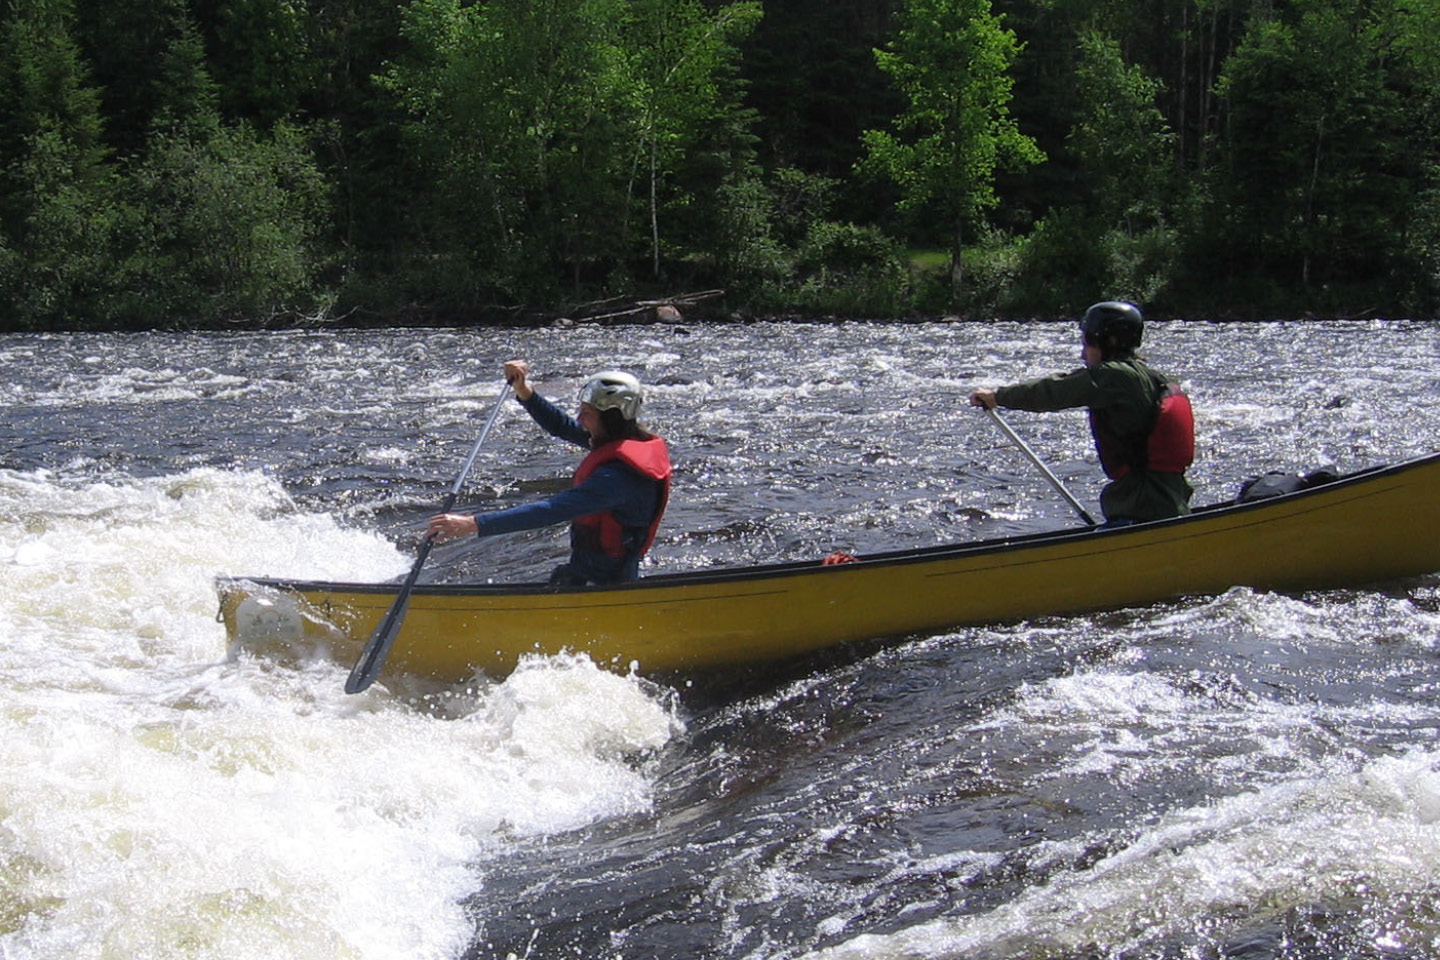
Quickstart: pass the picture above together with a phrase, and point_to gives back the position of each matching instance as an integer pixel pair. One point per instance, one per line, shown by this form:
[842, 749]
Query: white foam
[159, 800]
[1247, 856]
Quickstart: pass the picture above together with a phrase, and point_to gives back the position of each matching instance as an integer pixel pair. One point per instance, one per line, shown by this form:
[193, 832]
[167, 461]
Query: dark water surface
[1250, 775]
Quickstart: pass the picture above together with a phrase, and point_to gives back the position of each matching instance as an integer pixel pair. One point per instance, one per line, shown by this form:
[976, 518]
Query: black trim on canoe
[793, 568]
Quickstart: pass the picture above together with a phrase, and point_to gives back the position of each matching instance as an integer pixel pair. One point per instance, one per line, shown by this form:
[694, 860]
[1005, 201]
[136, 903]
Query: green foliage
[799, 200]
[746, 247]
[993, 268]
[1422, 248]
[262, 58]
[57, 214]
[1063, 268]
[44, 87]
[167, 162]
[187, 101]
[852, 271]
[230, 225]
[1120, 141]
[812, 80]
[226, 220]
[124, 43]
[491, 115]
[1114, 237]
[65, 239]
[950, 59]
[1318, 155]
[556, 132]
[799, 260]
[675, 79]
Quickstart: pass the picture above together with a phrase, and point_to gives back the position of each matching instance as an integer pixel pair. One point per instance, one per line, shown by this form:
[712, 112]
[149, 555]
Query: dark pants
[572, 575]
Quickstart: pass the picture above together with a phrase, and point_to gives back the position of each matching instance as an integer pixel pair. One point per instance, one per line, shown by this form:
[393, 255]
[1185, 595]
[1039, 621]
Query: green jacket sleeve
[1062, 391]
[1124, 390]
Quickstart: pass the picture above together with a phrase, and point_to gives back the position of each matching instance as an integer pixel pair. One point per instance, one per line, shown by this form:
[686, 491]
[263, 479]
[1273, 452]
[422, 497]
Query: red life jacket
[1169, 446]
[649, 458]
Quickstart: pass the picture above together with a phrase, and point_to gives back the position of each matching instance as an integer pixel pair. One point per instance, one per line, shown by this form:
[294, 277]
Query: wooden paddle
[1025, 449]
[372, 658]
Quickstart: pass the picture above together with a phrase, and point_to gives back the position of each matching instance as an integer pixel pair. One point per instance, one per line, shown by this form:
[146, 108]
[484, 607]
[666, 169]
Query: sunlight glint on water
[1185, 779]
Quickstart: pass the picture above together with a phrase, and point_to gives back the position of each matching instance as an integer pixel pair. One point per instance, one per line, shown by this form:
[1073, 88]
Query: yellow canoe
[1375, 525]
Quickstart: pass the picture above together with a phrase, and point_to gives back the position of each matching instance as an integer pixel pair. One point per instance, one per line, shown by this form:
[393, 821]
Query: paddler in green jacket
[1142, 423]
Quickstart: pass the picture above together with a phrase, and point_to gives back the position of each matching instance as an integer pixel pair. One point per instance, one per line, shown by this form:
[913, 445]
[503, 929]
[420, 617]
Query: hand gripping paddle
[372, 658]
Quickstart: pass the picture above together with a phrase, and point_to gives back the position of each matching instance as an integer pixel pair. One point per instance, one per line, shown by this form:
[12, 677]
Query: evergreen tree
[125, 43]
[57, 210]
[231, 216]
[1114, 236]
[1316, 168]
[258, 52]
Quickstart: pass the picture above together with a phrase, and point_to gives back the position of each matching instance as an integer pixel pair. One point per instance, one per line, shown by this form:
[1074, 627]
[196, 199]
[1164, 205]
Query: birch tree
[951, 60]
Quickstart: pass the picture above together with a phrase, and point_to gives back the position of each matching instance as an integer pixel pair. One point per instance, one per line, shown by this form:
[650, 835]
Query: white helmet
[613, 390]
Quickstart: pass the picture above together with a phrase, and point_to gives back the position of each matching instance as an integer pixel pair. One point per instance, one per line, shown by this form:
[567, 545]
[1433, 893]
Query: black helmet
[1116, 321]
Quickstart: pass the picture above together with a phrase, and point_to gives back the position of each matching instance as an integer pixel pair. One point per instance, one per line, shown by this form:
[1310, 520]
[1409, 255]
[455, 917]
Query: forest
[201, 163]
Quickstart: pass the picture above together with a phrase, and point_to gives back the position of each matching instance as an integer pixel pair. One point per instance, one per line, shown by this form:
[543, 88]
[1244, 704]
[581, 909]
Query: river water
[1250, 775]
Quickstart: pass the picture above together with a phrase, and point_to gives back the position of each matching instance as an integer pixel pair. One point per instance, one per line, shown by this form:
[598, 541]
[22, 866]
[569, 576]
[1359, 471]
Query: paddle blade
[372, 659]
[377, 648]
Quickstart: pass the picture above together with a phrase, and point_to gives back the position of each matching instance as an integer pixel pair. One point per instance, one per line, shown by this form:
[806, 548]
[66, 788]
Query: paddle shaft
[1025, 449]
[377, 648]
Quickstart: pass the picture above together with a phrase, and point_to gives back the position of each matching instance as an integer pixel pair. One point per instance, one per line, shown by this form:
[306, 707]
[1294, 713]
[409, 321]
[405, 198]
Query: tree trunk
[654, 208]
[957, 262]
[1308, 245]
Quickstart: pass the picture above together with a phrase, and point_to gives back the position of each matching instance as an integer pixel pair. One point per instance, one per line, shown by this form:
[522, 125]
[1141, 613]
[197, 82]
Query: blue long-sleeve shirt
[612, 487]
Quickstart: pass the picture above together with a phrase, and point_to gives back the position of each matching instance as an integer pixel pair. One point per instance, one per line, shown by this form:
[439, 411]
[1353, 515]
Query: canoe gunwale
[626, 593]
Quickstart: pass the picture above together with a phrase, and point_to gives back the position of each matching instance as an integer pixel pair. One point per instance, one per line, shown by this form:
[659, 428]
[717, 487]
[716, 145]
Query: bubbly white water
[160, 800]
[1163, 782]
[1253, 851]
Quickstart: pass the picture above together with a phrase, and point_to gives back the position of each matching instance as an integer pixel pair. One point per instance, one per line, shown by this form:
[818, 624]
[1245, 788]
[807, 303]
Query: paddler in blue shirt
[1141, 420]
[620, 489]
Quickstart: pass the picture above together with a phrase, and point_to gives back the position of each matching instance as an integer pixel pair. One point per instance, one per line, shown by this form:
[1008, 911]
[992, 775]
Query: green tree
[1317, 163]
[230, 216]
[812, 80]
[1121, 141]
[355, 129]
[187, 99]
[552, 130]
[231, 224]
[509, 125]
[259, 56]
[1417, 40]
[676, 58]
[1114, 235]
[57, 208]
[125, 43]
[950, 59]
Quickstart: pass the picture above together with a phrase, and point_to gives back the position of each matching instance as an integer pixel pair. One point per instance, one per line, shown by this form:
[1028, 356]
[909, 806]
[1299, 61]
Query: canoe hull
[1378, 525]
